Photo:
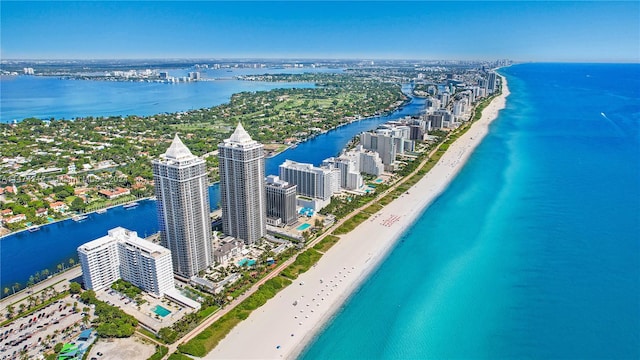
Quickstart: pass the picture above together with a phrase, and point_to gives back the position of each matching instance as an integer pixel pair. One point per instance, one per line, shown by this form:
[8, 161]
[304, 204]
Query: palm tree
[31, 301]
[22, 306]
[71, 262]
[6, 291]
[15, 286]
[60, 267]
[10, 310]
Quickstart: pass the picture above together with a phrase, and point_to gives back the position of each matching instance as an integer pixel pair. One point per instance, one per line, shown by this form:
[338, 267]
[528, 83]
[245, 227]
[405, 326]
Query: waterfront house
[58, 206]
[42, 212]
[6, 212]
[112, 194]
[14, 219]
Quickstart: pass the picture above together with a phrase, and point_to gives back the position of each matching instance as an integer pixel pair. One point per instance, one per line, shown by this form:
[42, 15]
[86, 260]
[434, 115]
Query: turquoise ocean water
[534, 249]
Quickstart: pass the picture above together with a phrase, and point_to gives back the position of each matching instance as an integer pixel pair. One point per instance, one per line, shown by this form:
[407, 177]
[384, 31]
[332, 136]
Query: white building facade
[242, 187]
[121, 254]
[182, 191]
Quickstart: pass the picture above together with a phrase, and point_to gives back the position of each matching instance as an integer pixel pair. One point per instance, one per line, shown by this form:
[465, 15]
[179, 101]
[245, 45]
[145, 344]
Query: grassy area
[100, 204]
[150, 334]
[326, 243]
[178, 356]
[161, 351]
[303, 262]
[351, 224]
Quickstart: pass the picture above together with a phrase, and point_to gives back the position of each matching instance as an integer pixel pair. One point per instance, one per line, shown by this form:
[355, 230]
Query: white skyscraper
[121, 254]
[183, 208]
[242, 187]
[312, 181]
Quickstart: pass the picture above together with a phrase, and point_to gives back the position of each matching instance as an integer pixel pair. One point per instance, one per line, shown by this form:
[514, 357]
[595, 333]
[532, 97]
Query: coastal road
[61, 281]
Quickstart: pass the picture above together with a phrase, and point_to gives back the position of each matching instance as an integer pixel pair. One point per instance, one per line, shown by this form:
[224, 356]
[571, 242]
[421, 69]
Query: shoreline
[71, 217]
[280, 329]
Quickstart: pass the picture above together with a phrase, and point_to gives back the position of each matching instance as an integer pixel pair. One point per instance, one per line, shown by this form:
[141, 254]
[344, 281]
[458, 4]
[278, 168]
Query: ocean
[533, 251]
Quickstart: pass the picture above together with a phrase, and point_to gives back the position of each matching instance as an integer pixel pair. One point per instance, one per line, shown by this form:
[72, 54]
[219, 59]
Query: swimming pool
[161, 310]
[303, 227]
[248, 262]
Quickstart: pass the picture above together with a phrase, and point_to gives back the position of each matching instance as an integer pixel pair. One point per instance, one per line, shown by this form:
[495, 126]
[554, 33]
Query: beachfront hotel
[242, 187]
[183, 208]
[121, 254]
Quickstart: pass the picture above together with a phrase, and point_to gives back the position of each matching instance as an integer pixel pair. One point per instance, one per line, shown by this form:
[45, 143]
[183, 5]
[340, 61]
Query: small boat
[78, 218]
[131, 205]
[33, 228]
[101, 211]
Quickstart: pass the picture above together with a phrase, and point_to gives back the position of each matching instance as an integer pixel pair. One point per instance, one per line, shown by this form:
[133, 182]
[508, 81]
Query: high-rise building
[242, 187]
[312, 181]
[100, 262]
[350, 178]
[121, 254]
[281, 201]
[183, 208]
[366, 161]
[492, 82]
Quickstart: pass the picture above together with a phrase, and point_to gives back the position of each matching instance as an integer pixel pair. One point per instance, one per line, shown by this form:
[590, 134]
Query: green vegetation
[326, 243]
[161, 351]
[178, 356]
[188, 322]
[126, 288]
[149, 334]
[110, 321]
[303, 262]
[74, 288]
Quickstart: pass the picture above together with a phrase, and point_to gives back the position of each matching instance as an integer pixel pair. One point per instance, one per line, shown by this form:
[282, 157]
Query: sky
[523, 31]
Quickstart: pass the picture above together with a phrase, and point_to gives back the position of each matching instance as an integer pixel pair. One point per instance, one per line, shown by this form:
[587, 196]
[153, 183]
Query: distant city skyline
[522, 31]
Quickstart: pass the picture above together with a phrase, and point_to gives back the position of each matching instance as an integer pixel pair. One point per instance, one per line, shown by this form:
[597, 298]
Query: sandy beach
[285, 324]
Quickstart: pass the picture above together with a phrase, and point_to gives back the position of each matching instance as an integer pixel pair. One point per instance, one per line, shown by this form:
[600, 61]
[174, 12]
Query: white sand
[322, 290]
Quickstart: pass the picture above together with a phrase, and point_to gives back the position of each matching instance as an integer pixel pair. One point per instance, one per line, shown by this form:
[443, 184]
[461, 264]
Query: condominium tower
[281, 201]
[121, 254]
[242, 187]
[183, 208]
[312, 181]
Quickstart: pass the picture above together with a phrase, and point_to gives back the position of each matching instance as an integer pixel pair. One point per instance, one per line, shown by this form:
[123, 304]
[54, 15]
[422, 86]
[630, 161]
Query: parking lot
[118, 349]
[39, 332]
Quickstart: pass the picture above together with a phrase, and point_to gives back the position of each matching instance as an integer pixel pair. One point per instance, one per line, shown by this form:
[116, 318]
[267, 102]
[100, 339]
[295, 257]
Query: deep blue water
[58, 242]
[46, 97]
[534, 249]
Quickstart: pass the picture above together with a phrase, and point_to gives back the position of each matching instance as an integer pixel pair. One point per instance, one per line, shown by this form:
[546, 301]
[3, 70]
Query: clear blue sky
[526, 31]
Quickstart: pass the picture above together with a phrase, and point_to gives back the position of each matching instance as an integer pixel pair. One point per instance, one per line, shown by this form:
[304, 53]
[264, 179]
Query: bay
[50, 97]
